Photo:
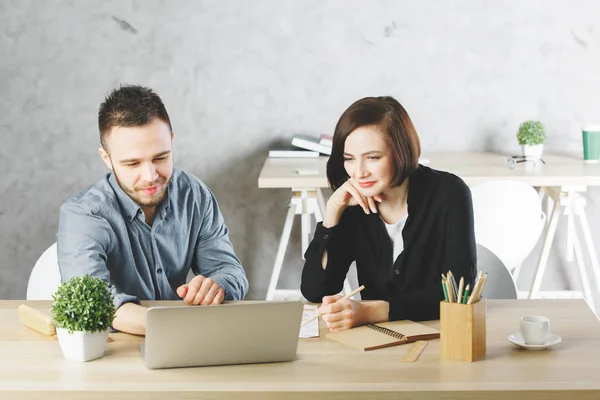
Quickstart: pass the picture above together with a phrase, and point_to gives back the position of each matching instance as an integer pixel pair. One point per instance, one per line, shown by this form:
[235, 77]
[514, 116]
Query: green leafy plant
[83, 303]
[531, 133]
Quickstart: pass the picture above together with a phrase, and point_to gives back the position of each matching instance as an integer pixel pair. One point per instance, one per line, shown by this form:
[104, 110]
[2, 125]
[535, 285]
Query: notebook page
[312, 328]
[365, 338]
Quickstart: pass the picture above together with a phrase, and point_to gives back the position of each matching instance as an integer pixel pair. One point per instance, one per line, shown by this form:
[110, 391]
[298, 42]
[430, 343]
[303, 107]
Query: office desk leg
[550, 231]
[585, 228]
[283, 243]
[307, 203]
[321, 204]
[572, 204]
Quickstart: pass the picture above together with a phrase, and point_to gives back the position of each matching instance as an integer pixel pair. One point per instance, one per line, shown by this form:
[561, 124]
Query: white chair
[45, 276]
[508, 220]
[499, 283]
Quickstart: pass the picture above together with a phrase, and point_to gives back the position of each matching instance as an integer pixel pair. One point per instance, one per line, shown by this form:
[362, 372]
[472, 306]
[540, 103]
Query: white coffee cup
[534, 330]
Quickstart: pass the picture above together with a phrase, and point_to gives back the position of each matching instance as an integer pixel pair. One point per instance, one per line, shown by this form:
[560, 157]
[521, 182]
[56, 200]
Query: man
[145, 225]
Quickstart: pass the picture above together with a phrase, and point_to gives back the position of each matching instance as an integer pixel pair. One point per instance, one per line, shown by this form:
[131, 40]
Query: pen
[346, 297]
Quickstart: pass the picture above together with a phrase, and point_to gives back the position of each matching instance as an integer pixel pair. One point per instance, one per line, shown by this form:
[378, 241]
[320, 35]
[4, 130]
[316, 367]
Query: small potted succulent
[532, 136]
[83, 310]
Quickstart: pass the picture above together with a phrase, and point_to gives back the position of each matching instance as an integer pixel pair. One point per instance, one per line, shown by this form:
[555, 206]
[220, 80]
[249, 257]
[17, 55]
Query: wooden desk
[32, 366]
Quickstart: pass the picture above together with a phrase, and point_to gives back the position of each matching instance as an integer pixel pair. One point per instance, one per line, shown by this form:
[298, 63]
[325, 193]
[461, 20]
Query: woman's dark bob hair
[400, 135]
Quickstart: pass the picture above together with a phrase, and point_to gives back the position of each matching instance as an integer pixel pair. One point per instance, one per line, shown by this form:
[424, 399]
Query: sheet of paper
[312, 328]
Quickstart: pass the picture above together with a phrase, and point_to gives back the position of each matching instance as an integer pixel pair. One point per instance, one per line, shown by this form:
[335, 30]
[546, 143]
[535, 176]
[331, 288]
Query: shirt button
[159, 270]
[397, 272]
[326, 237]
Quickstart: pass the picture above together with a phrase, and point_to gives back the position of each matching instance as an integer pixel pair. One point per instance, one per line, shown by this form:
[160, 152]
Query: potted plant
[83, 310]
[532, 136]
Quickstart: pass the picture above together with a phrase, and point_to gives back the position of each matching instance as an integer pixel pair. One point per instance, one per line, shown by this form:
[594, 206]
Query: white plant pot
[82, 346]
[532, 151]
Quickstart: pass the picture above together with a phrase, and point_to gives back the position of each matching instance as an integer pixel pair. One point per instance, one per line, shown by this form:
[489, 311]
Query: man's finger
[210, 296]
[219, 297]
[182, 290]
[193, 288]
[203, 291]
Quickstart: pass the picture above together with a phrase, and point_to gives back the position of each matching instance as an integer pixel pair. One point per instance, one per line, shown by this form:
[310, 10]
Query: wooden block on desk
[36, 320]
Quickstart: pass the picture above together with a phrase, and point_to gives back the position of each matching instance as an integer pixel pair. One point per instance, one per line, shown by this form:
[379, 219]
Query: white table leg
[283, 243]
[321, 203]
[543, 260]
[307, 204]
[316, 210]
[516, 273]
[587, 290]
[569, 202]
[589, 244]
[571, 231]
[305, 220]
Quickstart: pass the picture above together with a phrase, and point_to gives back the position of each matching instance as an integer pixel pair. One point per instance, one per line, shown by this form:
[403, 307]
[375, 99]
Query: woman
[403, 223]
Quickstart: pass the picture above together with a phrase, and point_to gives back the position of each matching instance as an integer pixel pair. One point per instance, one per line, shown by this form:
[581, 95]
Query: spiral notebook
[385, 334]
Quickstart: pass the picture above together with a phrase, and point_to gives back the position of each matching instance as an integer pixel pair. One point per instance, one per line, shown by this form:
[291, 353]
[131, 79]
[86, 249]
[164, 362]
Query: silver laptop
[231, 333]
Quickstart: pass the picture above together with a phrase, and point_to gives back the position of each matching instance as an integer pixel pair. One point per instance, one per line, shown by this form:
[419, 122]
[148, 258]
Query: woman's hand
[345, 314]
[341, 314]
[349, 195]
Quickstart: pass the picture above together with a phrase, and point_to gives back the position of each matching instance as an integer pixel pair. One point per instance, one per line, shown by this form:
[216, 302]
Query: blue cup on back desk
[591, 143]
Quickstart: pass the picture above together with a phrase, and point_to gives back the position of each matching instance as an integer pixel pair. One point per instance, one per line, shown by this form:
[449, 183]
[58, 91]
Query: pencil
[473, 297]
[346, 297]
[454, 285]
[466, 295]
[444, 288]
[461, 287]
[449, 289]
[483, 280]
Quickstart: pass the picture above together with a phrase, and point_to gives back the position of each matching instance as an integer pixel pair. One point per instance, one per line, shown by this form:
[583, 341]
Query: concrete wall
[237, 76]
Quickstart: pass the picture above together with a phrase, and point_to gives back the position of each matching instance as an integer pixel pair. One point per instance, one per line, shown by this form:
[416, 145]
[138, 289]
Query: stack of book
[304, 146]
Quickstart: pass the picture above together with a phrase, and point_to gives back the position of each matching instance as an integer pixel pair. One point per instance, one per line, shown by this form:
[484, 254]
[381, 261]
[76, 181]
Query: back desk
[472, 167]
[32, 366]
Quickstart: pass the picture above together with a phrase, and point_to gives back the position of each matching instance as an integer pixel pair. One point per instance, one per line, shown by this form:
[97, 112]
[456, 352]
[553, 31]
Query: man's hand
[202, 291]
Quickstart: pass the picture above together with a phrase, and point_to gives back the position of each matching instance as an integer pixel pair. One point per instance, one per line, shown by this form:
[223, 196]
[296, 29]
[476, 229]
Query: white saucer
[551, 340]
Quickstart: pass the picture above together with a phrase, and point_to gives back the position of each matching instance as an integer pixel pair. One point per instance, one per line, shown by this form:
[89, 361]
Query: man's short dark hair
[127, 106]
[400, 136]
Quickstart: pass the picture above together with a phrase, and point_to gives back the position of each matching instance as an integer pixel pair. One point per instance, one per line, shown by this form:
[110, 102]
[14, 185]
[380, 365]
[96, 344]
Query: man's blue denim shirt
[102, 232]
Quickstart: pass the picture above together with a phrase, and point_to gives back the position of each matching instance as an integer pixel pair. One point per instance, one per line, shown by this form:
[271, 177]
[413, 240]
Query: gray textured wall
[237, 76]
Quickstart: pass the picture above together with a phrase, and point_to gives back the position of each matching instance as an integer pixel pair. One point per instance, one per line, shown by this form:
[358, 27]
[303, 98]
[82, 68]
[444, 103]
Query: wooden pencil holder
[462, 331]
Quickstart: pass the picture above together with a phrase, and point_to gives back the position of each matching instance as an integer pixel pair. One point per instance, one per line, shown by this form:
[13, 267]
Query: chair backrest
[45, 276]
[508, 219]
[499, 283]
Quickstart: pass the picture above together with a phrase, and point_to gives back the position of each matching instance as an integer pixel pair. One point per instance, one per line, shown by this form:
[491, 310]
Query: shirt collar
[163, 208]
[130, 208]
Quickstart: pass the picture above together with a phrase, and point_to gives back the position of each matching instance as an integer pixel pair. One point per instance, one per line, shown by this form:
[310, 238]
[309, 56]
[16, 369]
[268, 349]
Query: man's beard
[135, 196]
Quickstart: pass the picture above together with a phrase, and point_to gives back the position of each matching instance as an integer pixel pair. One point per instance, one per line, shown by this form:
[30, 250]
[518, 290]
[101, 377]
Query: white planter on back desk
[82, 346]
[533, 151]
